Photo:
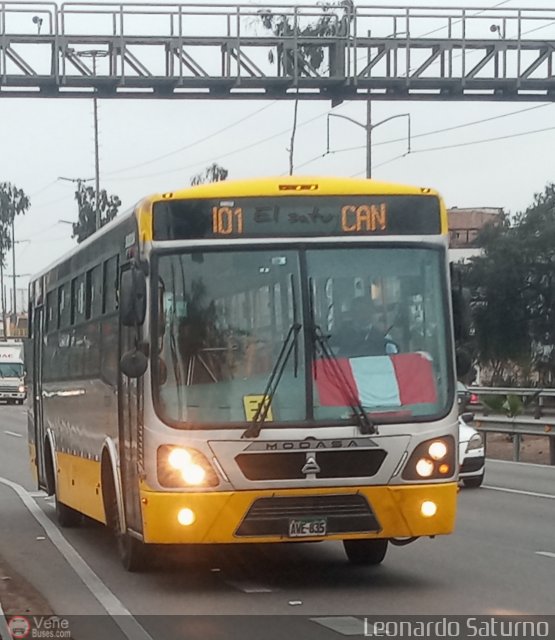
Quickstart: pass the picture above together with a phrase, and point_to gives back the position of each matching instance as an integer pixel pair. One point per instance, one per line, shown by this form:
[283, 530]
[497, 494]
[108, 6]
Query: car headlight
[21, 388]
[184, 467]
[476, 442]
[431, 460]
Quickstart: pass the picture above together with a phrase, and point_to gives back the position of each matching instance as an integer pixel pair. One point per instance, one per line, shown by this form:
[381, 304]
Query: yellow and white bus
[264, 360]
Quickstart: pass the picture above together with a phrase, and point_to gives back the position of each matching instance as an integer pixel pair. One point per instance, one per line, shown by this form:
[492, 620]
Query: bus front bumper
[293, 514]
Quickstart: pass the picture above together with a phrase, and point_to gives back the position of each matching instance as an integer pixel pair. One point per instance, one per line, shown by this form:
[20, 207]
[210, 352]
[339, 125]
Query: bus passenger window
[110, 285]
[64, 306]
[93, 293]
[51, 312]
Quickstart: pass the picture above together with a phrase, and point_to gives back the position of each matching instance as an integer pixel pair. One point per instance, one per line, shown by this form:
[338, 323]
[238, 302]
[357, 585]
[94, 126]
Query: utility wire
[192, 144]
[48, 186]
[201, 163]
[484, 140]
[426, 133]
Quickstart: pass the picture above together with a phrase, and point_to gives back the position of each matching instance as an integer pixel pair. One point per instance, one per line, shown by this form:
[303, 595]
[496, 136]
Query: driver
[365, 332]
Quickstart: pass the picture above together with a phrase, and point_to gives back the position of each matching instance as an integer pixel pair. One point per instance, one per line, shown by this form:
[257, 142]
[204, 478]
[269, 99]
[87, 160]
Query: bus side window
[51, 312]
[110, 285]
[93, 292]
[64, 304]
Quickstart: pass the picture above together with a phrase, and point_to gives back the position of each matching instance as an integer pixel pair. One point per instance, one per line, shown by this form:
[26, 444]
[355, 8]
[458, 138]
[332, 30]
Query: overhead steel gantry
[270, 51]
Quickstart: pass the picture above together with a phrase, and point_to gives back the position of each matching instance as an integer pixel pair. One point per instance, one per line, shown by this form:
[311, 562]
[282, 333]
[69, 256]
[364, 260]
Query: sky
[156, 146]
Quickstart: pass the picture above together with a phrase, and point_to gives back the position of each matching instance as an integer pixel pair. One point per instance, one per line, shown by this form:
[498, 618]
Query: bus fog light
[428, 509]
[186, 517]
[424, 468]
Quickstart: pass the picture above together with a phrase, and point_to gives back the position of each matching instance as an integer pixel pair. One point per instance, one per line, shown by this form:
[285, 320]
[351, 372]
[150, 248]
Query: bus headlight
[431, 460]
[425, 468]
[22, 388]
[184, 467]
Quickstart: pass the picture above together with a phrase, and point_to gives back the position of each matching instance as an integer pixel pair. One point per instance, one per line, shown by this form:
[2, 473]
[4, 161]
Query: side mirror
[132, 297]
[133, 363]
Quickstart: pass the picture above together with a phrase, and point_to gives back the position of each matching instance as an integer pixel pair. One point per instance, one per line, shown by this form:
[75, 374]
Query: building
[465, 225]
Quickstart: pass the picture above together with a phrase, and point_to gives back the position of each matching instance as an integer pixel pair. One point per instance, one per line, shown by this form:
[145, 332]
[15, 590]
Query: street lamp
[14, 292]
[369, 127]
[94, 54]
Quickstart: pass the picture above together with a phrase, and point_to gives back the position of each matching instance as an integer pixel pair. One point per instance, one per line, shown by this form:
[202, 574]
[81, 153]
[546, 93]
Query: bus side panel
[79, 485]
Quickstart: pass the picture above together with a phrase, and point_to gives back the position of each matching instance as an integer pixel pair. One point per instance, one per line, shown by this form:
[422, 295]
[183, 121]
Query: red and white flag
[376, 381]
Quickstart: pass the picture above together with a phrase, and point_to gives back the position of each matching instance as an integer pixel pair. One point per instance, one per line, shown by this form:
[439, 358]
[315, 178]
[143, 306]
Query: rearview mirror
[132, 297]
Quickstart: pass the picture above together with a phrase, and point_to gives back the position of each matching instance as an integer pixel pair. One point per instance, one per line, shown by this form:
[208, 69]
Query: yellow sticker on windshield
[252, 404]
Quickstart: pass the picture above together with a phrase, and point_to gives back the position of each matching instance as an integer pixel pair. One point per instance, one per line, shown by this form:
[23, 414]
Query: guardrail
[537, 417]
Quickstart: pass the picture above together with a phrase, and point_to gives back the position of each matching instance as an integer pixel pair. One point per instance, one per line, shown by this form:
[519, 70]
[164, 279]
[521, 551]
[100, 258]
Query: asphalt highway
[500, 561]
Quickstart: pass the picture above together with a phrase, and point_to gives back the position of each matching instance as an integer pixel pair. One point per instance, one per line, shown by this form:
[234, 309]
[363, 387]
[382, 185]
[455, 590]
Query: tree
[513, 287]
[308, 57]
[213, 173]
[13, 202]
[86, 204]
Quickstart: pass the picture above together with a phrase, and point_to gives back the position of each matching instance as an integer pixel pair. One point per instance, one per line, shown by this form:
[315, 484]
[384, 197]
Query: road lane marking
[547, 554]
[248, 587]
[108, 600]
[549, 496]
[345, 625]
[14, 435]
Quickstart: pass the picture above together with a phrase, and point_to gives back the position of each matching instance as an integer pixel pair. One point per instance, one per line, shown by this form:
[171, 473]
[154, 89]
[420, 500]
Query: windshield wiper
[365, 424]
[287, 346]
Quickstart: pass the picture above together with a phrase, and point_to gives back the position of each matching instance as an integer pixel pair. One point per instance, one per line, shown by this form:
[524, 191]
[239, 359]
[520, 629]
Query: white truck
[12, 372]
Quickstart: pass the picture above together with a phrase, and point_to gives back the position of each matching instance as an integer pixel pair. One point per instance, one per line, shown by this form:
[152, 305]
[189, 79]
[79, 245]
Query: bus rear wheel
[365, 552]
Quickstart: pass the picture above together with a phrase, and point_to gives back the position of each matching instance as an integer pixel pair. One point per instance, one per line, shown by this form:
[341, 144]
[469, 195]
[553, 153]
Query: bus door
[130, 421]
[37, 351]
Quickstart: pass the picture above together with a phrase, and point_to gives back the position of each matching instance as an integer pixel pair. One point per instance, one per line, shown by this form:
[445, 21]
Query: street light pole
[369, 138]
[14, 308]
[369, 127]
[94, 54]
[96, 158]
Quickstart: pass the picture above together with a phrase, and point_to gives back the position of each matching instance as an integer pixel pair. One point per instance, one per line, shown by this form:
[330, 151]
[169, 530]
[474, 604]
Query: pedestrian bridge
[312, 52]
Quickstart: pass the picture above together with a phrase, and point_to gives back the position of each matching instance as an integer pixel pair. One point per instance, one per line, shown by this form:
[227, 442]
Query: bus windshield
[379, 314]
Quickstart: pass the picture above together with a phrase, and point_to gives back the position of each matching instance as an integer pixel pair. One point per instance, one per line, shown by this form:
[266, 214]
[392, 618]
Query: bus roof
[265, 186]
[325, 185]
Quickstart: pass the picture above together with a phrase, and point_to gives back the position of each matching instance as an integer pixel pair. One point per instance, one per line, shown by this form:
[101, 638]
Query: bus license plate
[305, 527]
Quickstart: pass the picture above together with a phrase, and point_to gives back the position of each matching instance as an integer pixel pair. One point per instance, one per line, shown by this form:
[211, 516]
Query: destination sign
[291, 216]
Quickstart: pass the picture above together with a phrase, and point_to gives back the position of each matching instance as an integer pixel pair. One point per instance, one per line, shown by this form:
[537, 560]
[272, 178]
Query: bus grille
[354, 463]
[8, 389]
[349, 513]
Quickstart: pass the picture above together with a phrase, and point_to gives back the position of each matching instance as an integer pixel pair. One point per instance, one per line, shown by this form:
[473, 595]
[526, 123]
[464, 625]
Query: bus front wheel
[365, 552]
[132, 552]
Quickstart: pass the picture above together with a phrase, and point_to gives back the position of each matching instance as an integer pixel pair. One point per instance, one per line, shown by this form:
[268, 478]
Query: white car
[471, 453]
